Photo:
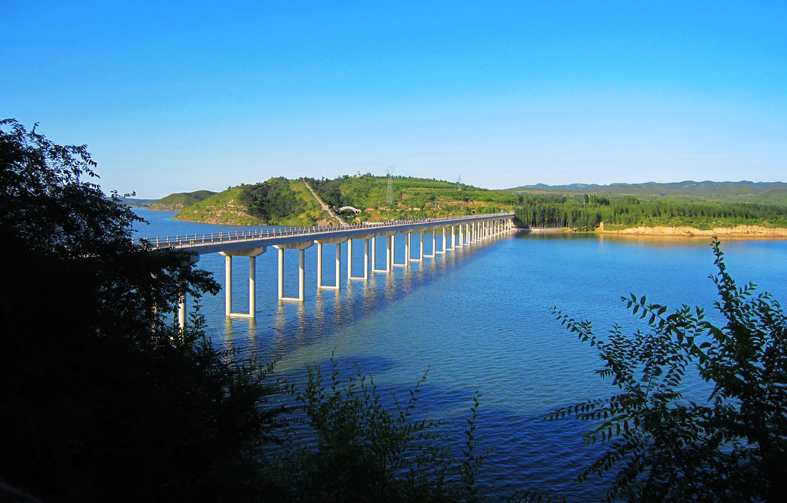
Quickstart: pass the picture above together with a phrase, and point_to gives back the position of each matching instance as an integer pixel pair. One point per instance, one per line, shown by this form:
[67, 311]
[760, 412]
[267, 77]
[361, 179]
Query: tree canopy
[102, 396]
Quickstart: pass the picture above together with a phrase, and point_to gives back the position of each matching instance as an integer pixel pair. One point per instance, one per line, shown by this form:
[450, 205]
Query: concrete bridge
[456, 232]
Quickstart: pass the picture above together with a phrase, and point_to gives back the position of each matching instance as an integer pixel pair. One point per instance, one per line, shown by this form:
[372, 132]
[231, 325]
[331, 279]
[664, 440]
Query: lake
[479, 318]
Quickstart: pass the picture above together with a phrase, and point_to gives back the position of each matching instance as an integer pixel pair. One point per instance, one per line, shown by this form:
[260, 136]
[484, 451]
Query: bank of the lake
[480, 318]
[738, 231]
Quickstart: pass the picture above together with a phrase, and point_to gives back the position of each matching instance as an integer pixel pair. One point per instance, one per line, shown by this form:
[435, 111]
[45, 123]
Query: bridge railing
[276, 232]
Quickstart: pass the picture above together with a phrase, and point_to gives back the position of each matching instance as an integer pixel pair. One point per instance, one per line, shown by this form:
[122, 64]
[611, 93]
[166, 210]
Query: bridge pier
[337, 282]
[389, 252]
[193, 259]
[388, 236]
[301, 247]
[433, 232]
[407, 252]
[420, 248]
[365, 238]
[252, 253]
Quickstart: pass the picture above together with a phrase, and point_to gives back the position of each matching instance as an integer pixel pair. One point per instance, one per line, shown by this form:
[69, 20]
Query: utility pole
[389, 197]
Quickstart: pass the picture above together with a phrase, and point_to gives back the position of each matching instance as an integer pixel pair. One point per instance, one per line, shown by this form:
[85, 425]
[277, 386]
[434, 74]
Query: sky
[181, 96]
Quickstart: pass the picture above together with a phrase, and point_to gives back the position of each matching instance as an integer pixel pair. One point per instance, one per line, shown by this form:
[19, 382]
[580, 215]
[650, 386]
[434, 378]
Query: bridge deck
[238, 240]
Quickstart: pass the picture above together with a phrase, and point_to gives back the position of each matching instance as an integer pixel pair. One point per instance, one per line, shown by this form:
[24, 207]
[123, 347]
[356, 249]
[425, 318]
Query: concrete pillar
[434, 242]
[338, 265]
[228, 285]
[421, 247]
[301, 273]
[366, 259]
[281, 273]
[182, 308]
[252, 287]
[338, 258]
[388, 253]
[374, 253]
[349, 259]
[319, 265]
[393, 253]
[453, 239]
[407, 250]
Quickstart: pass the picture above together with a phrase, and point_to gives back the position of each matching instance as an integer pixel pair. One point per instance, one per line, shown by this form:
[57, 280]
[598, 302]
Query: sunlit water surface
[479, 319]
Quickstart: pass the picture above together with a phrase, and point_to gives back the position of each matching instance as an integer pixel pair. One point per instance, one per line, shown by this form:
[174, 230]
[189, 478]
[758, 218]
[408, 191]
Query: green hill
[720, 192]
[180, 200]
[280, 201]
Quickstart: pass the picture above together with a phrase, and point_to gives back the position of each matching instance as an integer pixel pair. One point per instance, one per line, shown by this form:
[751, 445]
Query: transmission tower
[389, 198]
[459, 183]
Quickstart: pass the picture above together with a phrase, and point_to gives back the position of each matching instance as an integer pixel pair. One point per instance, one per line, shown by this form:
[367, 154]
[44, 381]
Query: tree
[353, 447]
[102, 396]
[662, 447]
[272, 200]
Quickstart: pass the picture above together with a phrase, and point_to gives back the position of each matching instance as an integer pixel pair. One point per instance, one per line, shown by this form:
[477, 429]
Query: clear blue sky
[180, 96]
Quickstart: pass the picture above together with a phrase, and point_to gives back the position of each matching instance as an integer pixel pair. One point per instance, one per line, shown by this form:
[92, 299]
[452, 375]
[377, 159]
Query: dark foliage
[662, 447]
[102, 398]
[354, 447]
[271, 200]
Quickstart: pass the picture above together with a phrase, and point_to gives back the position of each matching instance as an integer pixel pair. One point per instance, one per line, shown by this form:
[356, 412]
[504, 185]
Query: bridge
[457, 232]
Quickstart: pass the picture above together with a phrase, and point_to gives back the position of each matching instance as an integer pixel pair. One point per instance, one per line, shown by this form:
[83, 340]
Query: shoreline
[737, 232]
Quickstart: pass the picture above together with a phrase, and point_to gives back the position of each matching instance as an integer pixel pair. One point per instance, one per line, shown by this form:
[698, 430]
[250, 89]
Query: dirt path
[325, 206]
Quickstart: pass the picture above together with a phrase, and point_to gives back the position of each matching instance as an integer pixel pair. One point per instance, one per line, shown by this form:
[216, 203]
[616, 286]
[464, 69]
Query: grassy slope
[720, 192]
[181, 200]
[311, 211]
[226, 209]
[222, 208]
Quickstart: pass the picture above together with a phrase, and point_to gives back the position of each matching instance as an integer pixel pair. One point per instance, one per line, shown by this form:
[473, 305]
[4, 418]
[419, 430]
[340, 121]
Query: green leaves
[360, 446]
[662, 448]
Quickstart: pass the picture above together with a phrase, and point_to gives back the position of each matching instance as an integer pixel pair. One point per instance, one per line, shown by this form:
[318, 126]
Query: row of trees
[103, 397]
[588, 212]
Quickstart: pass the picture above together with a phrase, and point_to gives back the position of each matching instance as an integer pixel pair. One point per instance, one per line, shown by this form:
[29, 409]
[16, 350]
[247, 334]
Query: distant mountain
[181, 200]
[727, 192]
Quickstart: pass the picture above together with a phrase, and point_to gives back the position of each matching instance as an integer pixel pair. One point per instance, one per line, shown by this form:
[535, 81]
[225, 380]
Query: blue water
[479, 319]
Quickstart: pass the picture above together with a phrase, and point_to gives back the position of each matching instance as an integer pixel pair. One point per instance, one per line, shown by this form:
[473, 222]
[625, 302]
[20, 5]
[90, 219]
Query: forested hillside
[689, 191]
[589, 211]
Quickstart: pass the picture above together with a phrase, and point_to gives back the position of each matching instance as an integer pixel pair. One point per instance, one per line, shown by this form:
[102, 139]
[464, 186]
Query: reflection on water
[480, 318]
